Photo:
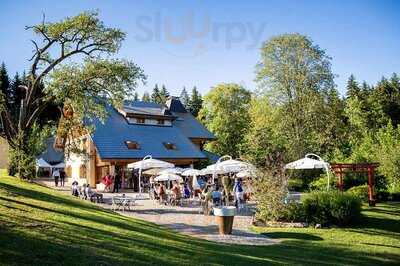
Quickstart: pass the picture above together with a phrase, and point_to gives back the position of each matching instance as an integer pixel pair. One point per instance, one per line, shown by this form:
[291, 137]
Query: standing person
[117, 182]
[56, 176]
[238, 192]
[62, 177]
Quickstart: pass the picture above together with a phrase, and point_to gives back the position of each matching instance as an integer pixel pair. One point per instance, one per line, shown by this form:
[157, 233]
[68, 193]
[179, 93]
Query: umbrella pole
[140, 183]
[329, 177]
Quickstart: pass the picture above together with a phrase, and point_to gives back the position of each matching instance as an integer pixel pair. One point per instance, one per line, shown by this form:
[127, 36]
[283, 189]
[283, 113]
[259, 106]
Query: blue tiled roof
[191, 127]
[110, 137]
[51, 155]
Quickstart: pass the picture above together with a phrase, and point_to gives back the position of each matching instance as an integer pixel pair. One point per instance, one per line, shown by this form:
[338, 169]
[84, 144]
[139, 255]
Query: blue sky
[203, 43]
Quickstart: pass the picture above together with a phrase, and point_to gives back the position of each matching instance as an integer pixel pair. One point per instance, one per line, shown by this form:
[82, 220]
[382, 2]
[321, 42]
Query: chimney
[175, 105]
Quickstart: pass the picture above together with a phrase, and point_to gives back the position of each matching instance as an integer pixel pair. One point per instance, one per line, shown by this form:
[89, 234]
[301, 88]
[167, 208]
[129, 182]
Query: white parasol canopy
[152, 171]
[309, 163]
[147, 163]
[245, 173]
[168, 177]
[174, 170]
[59, 165]
[229, 166]
[42, 163]
[191, 172]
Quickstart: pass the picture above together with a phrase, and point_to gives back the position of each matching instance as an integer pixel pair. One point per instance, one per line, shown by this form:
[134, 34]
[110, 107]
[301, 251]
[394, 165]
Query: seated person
[176, 190]
[75, 188]
[88, 192]
[216, 196]
[93, 195]
[186, 191]
[161, 192]
[83, 191]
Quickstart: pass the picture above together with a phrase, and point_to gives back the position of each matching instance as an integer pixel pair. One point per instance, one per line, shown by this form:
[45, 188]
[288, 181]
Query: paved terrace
[188, 219]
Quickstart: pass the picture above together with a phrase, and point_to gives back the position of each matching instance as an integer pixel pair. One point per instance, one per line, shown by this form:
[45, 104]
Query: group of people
[85, 192]
[205, 191]
[112, 183]
[177, 192]
[59, 176]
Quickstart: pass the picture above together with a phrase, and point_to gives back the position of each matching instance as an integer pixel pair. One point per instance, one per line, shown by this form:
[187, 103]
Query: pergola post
[341, 185]
[371, 186]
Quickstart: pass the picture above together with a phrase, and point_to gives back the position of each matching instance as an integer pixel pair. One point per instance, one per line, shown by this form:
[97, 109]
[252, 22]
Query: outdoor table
[122, 202]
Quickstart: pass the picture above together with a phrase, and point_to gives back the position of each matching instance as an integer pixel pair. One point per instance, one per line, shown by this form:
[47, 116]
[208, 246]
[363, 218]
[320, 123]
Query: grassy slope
[42, 226]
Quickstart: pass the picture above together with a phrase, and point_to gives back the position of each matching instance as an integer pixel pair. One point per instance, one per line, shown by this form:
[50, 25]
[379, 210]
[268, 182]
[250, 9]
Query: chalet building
[166, 132]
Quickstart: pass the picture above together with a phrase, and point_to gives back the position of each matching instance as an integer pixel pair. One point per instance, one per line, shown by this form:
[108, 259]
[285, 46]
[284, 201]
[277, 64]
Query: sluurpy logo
[198, 31]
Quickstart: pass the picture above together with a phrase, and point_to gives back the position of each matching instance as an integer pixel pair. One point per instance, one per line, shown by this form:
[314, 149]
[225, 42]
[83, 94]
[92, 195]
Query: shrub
[360, 191]
[270, 190]
[345, 208]
[317, 208]
[331, 207]
[321, 183]
[295, 184]
[293, 212]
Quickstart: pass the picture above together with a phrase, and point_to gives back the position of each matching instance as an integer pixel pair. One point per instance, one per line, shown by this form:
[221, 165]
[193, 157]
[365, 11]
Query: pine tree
[5, 85]
[136, 96]
[184, 97]
[196, 101]
[155, 95]
[353, 90]
[146, 97]
[164, 94]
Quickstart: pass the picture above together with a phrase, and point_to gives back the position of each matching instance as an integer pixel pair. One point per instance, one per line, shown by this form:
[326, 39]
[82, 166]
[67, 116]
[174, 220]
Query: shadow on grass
[80, 233]
[293, 235]
[37, 195]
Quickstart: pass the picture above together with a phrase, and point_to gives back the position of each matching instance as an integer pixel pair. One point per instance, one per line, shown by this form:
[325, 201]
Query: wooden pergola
[369, 168]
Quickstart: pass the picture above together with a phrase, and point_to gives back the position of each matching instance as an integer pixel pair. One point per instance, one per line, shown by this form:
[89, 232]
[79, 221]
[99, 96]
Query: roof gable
[110, 138]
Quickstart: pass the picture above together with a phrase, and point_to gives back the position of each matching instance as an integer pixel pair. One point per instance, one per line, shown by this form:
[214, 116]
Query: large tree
[225, 113]
[296, 75]
[164, 94]
[155, 95]
[195, 102]
[146, 97]
[68, 68]
[184, 97]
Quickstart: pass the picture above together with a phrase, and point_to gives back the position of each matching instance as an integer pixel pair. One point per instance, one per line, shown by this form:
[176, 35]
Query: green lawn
[41, 226]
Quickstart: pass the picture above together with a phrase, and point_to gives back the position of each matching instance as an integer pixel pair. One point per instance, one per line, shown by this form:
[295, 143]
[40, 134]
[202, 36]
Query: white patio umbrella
[168, 177]
[174, 170]
[59, 165]
[152, 171]
[245, 173]
[191, 172]
[147, 163]
[42, 163]
[309, 163]
[233, 166]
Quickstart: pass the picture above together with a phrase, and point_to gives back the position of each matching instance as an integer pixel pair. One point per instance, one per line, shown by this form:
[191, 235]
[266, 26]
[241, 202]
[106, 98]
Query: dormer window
[170, 146]
[132, 145]
[140, 120]
[160, 121]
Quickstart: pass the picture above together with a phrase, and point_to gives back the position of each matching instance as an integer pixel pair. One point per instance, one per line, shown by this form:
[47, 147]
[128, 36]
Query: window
[132, 145]
[140, 120]
[160, 121]
[170, 146]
